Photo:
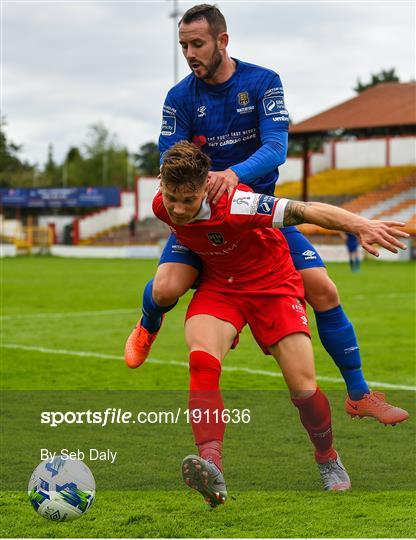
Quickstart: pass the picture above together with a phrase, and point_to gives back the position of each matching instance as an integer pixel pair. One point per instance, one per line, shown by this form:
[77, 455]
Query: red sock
[315, 415]
[211, 451]
[205, 399]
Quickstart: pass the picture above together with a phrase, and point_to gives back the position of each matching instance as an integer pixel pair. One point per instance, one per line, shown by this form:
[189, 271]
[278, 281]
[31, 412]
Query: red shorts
[270, 316]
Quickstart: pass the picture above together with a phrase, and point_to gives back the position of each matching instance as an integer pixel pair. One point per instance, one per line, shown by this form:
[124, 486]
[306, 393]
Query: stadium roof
[386, 105]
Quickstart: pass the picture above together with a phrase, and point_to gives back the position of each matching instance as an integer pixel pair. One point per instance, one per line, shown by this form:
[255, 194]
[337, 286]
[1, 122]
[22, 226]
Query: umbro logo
[349, 350]
[309, 255]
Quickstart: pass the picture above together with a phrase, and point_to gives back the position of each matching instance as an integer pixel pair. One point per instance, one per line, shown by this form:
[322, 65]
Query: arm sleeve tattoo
[294, 213]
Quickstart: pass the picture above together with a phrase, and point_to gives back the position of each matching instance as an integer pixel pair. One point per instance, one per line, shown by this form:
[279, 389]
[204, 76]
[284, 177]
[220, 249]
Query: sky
[66, 65]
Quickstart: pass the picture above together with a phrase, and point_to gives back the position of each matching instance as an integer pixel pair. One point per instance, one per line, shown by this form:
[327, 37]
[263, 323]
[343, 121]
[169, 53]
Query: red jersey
[239, 249]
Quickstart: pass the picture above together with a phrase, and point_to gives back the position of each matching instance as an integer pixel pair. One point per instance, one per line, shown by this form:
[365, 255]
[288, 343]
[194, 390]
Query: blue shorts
[304, 255]
[175, 252]
[302, 251]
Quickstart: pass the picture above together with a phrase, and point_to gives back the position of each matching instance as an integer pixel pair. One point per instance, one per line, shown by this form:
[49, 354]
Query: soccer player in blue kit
[235, 112]
[352, 244]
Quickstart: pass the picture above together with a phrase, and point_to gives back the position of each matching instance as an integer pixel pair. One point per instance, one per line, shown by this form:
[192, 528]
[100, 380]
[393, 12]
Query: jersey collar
[204, 211]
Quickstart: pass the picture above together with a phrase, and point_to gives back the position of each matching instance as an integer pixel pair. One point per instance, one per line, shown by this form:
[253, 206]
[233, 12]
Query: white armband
[279, 212]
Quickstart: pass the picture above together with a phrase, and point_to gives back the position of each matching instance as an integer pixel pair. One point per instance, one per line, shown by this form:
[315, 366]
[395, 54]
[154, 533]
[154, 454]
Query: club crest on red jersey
[216, 238]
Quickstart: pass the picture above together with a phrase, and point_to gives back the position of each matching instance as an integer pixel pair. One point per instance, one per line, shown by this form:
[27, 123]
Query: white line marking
[68, 314]
[230, 369]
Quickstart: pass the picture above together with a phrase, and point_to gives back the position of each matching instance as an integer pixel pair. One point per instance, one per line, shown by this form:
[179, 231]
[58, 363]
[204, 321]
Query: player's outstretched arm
[369, 231]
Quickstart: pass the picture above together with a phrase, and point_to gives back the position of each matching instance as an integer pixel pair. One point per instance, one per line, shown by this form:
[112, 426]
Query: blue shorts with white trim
[175, 252]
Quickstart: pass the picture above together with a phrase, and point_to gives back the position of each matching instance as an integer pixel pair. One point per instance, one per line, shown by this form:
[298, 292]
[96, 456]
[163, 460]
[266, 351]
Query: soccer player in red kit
[248, 278]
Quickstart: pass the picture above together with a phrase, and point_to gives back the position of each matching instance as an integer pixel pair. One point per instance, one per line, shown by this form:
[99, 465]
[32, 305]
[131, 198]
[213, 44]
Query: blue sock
[152, 312]
[338, 337]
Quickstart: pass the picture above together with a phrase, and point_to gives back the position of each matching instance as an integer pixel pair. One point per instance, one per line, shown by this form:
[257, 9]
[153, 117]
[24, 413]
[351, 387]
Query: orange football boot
[138, 345]
[374, 404]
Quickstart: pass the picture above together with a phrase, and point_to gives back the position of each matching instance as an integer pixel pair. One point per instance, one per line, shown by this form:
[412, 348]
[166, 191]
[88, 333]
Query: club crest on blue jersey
[243, 98]
[216, 238]
[265, 205]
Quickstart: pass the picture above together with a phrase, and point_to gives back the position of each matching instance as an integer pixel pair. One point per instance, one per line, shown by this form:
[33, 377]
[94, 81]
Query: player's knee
[303, 384]
[166, 291]
[170, 283]
[322, 294]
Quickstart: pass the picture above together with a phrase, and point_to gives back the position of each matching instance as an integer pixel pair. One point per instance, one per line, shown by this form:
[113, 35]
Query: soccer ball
[61, 489]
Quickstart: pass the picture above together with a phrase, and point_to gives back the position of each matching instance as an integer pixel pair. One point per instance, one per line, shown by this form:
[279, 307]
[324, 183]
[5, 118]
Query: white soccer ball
[61, 489]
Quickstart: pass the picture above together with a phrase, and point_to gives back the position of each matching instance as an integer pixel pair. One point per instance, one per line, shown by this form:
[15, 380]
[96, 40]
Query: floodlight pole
[174, 15]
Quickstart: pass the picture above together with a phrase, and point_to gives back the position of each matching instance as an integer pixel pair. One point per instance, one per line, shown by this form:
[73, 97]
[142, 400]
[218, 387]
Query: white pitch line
[186, 365]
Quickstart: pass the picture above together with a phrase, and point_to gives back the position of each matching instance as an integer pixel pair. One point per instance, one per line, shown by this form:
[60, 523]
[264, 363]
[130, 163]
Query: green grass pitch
[64, 323]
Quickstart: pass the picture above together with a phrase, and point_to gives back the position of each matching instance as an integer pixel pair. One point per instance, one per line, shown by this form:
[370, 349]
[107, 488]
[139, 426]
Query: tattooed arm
[324, 215]
[368, 231]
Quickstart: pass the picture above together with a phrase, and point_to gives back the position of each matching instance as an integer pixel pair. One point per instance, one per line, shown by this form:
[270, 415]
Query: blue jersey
[241, 124]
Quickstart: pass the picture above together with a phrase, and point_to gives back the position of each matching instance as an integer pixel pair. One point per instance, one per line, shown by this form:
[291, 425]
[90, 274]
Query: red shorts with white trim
[271, 317]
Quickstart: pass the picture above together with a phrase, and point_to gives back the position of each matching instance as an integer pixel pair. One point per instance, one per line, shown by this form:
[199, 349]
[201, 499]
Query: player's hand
[220, 181]
[383, 233]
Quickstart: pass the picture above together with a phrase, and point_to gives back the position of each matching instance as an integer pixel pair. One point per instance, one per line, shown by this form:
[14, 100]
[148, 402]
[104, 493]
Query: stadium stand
[347, 182]
[89, 227]
[375, 204]
[28, 238]
[396, 201]
[148, 231]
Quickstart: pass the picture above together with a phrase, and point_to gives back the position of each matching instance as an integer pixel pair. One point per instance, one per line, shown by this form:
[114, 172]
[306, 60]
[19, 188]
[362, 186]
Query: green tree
[147, 159]
[106, 161]
[388, 75]
[52, 172]
[73, 154]
[13, 171]
[50, 167]
[73, 168]
[100, 160]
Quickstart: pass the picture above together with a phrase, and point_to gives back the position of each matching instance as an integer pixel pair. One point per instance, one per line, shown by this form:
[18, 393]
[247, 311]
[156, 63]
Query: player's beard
[214, 64]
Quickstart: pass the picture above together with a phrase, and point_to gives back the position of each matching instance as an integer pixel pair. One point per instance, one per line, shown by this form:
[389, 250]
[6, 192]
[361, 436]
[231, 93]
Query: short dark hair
[184, 166]
[210, 13]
